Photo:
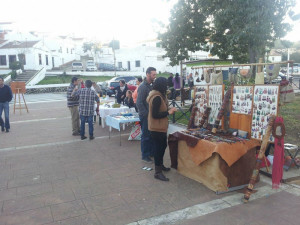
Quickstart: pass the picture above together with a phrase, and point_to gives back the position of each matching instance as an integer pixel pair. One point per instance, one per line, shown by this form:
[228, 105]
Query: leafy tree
[241, 28]
[295, 57]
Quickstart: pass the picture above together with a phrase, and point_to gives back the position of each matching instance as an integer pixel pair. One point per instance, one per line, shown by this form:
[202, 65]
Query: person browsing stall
[158, 124]
[87, 99]
[143, 109]
[5, 98]
[121, 91]
[135, 93]
[128, 101]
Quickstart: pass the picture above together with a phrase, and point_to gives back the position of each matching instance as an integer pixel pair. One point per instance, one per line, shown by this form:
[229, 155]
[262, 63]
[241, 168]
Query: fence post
[173, 116]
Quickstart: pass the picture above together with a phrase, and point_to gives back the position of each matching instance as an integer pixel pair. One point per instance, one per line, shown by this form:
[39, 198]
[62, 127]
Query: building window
[47, 60]
[60, 49]
[67, 50]
[3, 60]
[160, 58]
[71, 50]
[137, 63]
[273, 59]
[40, 59]
[120, 64]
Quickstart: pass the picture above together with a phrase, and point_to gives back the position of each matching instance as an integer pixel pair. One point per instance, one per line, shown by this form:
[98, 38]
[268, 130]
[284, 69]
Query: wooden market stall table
[107, 109]
[115, 121]
[220, 166]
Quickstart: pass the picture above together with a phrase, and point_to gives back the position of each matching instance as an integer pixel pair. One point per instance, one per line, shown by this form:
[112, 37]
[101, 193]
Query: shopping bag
[136, 132]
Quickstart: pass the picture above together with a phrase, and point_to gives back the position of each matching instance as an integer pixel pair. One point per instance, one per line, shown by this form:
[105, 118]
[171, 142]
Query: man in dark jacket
[73, 103]
[170, 80]
[5, 98]
[143, 108]
[121, 91]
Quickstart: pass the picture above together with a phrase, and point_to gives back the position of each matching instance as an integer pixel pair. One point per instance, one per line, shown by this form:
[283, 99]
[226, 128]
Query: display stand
[19, 88]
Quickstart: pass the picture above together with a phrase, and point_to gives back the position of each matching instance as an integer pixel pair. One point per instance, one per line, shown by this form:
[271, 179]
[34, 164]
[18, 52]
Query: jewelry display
[242, 99]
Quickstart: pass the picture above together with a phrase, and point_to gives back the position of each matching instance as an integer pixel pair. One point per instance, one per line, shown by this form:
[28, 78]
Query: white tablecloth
[106, 110]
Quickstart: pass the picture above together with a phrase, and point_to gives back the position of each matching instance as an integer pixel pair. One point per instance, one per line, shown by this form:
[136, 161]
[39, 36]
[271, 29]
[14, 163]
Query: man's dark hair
[88, 83]
[1, 78]
[122, 81]
[74, 79]
[149, 69]
[140, 79]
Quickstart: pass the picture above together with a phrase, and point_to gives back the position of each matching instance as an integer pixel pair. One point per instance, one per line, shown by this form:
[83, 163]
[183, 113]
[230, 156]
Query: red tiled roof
[19, 44]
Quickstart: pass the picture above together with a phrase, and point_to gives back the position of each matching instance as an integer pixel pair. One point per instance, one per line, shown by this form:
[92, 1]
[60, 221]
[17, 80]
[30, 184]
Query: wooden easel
[18, 88]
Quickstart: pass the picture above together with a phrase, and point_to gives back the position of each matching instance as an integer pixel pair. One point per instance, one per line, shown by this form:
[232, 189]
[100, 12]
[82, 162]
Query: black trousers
[160, 144]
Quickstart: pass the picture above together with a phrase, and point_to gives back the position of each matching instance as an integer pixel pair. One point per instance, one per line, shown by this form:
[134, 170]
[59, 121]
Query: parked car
[91, 66]
[126, 78]
[110, 86]
[77, 66]
[278, 79]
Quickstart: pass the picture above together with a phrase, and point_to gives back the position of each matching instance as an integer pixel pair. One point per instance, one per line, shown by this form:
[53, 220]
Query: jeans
[160, 144]
[4, 106]
[146, 141]
[89, 119]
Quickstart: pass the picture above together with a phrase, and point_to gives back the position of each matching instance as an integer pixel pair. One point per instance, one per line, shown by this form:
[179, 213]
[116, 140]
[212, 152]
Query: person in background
[135, 93]
[143, 108]
[73, 103]
[121, 91]
[170, 81]
[5, 98]
[190, 84]
[128, 101]
[87, 98]
[96, 88]
[158, 124]
[177, 85]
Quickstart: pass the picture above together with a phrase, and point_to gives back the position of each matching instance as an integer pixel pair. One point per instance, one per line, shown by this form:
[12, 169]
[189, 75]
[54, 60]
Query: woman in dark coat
[158, 124]
[121, 91]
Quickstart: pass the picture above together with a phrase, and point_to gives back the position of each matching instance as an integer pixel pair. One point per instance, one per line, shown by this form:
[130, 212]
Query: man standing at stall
[87, 98]
[143, 108]
[5, 98]
[73, 103]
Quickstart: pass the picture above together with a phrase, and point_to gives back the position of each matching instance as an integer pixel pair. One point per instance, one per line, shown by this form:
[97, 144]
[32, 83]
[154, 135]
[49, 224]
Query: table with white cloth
[107, 109]
[115, 121]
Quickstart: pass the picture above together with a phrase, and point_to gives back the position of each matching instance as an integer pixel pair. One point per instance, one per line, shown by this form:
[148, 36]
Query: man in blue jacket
[5, 98]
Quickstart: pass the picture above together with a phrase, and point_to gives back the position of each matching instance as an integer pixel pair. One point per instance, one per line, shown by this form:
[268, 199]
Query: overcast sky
[126, 20]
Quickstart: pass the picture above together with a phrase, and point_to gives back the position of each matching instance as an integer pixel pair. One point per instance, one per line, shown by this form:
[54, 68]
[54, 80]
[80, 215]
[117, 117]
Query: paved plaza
[48, 176]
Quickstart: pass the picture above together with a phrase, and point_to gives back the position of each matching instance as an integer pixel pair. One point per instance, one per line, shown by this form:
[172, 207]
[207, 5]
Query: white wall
[274, 58]
[38, 77]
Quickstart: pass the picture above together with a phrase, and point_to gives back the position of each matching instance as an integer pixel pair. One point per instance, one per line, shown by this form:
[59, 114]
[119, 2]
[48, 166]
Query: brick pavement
[49, 177]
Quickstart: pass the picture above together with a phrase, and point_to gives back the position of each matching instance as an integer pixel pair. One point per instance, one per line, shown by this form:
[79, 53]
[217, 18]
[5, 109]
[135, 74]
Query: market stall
[110, 108]
[116, 120]
[224, 159]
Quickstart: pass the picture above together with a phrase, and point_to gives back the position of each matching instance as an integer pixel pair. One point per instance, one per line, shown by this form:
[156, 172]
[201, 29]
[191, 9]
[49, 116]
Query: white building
[138, 58]
[274, 56]
[33, 54]
[38, 51]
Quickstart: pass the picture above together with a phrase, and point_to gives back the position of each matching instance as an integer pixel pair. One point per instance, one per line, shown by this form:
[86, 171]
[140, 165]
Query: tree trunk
[252, 54]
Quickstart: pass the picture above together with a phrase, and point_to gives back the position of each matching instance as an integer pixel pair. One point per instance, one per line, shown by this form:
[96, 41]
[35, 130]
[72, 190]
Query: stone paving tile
[19, 205]
[7, 194]
[30, 217]
[24, 181]
[121, 215]
[67, 210]
[89, 219]
[58, 196]
[102, 202]
[35, 189]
